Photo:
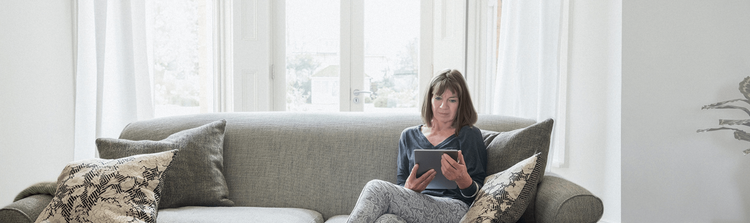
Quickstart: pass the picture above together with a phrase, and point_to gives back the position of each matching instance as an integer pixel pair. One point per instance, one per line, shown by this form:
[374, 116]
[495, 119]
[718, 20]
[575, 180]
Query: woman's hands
[419, 184]
[456, 171]
[452, 170]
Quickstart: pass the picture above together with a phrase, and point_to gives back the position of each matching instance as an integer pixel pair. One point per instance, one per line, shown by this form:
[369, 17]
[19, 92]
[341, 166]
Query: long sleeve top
[469, 140]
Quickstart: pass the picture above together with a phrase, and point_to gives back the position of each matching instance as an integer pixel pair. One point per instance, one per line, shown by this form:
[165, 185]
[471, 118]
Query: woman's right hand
[419, 184]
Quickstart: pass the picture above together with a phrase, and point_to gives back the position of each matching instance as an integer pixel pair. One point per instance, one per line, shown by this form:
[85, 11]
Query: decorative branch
[722, 105]
[745, 122]
[738, 133]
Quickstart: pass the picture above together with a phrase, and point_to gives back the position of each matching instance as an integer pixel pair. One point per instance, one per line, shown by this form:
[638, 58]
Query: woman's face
[444, 106]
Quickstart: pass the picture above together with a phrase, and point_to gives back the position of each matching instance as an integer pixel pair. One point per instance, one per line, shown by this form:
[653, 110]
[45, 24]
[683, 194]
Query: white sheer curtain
[113, 77]
[528, 81]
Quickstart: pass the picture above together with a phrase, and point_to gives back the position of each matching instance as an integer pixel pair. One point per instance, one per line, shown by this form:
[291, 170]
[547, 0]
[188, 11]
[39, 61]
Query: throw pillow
[504, 149]
[196, 177]
[101, 190]
[504, 196]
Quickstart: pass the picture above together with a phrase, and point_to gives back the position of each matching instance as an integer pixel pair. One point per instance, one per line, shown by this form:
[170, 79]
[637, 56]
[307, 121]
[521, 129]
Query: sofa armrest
[559, 200]
[26, 209]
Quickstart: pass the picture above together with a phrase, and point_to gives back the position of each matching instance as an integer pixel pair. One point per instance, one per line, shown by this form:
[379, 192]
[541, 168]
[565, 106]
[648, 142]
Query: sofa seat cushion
[238, 214]
[338, 219]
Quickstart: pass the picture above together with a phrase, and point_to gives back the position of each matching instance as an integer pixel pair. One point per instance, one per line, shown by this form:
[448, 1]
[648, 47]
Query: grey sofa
[311, 167]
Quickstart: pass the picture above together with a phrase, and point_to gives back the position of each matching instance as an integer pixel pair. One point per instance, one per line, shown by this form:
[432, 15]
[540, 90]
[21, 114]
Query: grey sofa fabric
[26, 209]
[559, 200]
[318, 163]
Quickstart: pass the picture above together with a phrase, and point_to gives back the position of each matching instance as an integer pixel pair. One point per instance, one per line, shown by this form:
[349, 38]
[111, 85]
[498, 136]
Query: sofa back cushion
[317, 161]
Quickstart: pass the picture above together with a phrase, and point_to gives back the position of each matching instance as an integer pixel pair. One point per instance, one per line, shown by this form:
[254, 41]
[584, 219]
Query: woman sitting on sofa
[448, 115]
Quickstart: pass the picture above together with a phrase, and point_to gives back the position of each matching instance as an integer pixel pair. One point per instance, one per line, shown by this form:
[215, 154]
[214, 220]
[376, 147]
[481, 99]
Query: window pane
[312, 55]
[183, 64]
[391, 55]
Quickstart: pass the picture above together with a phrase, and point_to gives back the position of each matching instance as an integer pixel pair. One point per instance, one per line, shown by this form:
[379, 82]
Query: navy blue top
[469, 141]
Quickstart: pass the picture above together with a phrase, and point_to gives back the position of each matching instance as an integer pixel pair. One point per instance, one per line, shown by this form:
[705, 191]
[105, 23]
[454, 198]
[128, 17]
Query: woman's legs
[381, 197]
[390, 218]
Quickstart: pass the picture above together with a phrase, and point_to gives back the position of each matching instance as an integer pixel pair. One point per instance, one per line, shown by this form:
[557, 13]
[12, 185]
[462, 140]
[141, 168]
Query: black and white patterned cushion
[504, 149]
[505, 195]
[102, 190]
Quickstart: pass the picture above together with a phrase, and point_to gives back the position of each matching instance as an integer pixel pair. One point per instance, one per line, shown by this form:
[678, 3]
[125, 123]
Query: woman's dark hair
[450, 80]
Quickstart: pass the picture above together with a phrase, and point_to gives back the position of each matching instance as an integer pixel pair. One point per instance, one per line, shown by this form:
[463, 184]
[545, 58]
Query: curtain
[113, 77]
[528, 81]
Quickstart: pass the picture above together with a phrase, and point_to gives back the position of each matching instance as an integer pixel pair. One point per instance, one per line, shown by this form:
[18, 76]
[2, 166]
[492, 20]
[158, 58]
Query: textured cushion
[238, 214]
[196, 177]
[101, 190]
[504, 149]
[505, 195]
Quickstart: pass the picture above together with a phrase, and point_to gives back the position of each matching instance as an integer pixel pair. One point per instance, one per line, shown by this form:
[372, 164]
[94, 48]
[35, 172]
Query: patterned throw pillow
[504, 149]
[101, 190]
[504, 196]
[196, 177]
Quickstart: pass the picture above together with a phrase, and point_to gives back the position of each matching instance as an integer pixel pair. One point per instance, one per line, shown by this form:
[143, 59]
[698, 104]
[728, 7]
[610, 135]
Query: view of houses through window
[391, 46]
[183, 63]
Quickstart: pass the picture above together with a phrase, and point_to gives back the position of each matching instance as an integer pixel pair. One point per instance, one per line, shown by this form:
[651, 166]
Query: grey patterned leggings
[383, 201]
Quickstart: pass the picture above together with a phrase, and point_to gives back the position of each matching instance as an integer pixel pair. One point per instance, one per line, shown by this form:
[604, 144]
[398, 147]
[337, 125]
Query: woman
[448, 115]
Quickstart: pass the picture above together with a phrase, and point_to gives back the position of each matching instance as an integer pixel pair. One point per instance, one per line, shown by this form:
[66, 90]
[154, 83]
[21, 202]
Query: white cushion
[238, 214]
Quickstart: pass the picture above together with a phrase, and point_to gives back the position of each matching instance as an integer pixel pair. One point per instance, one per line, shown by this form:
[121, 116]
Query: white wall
[36, 88]
[677, 56]
[593, 134]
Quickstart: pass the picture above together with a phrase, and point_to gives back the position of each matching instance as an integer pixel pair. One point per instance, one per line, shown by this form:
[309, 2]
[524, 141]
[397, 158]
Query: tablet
[431, 159]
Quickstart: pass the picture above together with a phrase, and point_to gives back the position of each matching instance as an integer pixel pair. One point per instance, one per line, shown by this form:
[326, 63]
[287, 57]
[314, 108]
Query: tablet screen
[431, 159]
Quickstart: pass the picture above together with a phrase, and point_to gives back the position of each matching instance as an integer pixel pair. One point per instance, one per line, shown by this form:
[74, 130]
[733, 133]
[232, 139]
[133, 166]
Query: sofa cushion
[196, 176]
[338, 219]
[238, 214]
[504, 149]
[504, 196]
[101, 190]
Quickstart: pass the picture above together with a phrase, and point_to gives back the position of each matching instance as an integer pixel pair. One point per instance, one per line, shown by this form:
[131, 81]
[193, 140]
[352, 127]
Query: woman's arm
[406, 173]
[469, 171]
[402, 162]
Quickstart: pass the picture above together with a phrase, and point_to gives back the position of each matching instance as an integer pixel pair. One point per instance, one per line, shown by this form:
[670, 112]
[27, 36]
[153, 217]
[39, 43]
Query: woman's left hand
[456, 171]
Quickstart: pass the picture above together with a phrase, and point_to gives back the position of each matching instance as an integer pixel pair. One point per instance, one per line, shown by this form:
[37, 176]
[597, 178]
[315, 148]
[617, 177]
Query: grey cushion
[196, 176]
[238, 214]
[504, 149]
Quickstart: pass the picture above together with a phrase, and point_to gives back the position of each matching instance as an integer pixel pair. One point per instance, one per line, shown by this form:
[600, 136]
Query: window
[367, 62]
[182, 56]
[324, 58]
